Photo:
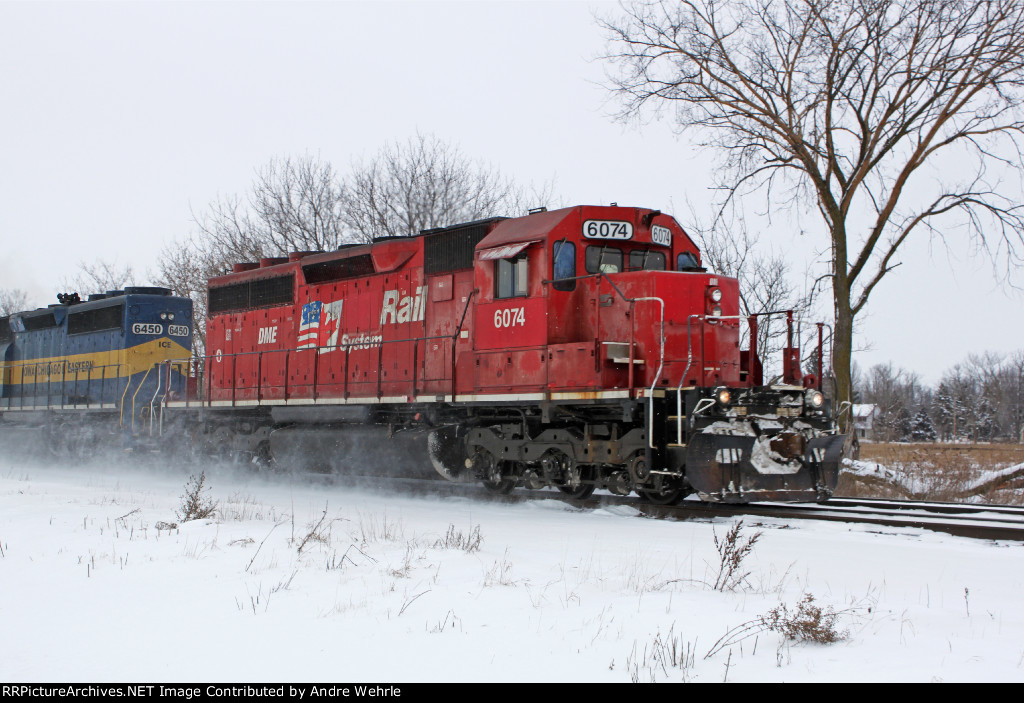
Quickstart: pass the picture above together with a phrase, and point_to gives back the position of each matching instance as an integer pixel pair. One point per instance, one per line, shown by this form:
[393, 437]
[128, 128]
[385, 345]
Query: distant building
[864, 415]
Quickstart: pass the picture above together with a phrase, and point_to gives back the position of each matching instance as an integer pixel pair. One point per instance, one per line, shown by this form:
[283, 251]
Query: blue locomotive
[78, 368]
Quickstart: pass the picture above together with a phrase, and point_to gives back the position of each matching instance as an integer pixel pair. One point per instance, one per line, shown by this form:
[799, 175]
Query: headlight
[814, 399]
[715, 294]
[723, 396]
[163, 316]
[716, 311]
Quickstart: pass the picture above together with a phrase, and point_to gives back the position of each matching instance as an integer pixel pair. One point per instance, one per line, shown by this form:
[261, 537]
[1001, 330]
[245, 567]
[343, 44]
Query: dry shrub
[808, 623]
[195, 505]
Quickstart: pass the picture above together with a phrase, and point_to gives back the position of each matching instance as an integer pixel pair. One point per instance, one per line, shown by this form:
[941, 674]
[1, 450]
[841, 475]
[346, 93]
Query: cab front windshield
[607, 259]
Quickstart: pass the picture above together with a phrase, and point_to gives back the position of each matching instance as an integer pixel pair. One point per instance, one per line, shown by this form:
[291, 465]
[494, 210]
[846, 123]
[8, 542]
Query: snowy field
[383, 589]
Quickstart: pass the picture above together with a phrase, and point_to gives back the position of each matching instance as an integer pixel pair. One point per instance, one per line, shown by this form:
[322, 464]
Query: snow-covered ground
[91, 590]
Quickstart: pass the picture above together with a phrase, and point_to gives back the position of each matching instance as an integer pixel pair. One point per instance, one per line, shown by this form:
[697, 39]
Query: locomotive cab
[600, 298]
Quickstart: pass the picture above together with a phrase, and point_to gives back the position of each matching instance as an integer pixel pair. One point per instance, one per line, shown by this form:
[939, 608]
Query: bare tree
[897, 394]
[1013, 376]
[293, 205]
[304, 205]
[298, 203]
[427, 183]
[12, 300]
[852, 107]
[185, 268]
[98, 277]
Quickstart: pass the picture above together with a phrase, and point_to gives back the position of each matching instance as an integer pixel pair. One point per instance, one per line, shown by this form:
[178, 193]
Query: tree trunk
[842, 350]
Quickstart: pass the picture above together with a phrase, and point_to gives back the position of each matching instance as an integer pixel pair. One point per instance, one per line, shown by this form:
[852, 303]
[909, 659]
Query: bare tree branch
[98, 277]
[861, 106]
[425, 183]
[12, 300]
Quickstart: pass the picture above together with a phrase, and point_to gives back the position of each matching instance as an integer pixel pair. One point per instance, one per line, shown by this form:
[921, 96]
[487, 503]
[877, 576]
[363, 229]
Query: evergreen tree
[921, 428]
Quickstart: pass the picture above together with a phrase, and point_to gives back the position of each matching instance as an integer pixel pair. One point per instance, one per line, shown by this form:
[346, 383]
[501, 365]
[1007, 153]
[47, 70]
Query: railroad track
[992, 522]
[976, 521]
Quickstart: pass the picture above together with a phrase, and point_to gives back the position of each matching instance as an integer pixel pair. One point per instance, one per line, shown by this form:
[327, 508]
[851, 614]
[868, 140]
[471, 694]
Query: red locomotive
[580, 348]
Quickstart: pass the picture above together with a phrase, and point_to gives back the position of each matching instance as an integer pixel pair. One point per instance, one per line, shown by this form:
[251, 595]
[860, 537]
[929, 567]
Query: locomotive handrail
[124, 394]
[689, 363]
[632, 326]
[599, 274]
[689, 351]
[159, 386]
[21, 392]
[455, 337]
[134, 396]
[346, 347]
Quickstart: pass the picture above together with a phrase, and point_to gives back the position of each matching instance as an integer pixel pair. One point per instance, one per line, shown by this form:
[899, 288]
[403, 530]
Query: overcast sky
[118, 120]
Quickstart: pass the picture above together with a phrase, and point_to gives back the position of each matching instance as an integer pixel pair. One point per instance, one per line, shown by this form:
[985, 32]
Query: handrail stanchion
[259, 377]
[344, 392]
[415, 360]
[316, 370]
[380, 366]
[287, 355]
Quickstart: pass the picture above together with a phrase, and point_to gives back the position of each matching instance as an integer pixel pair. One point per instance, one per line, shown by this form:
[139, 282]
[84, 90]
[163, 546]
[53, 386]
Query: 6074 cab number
[607, 229]
[510, 317]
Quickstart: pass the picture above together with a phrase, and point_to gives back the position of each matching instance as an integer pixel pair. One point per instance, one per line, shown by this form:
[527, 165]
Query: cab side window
[563, 257]
[511, 277]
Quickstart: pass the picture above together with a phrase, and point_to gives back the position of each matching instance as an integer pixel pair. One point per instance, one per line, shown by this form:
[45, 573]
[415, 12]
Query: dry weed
[195, 505]
[733, 549]
[456, 539]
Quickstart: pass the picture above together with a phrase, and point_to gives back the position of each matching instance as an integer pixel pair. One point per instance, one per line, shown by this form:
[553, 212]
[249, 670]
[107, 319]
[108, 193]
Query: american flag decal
[309, 327]
[319, 325]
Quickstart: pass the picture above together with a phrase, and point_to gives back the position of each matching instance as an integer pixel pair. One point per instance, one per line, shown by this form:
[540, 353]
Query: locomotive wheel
[584, 487]
[491, 471]
[502, 486]
[446, 448]
[263, 459]
[666, 491]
